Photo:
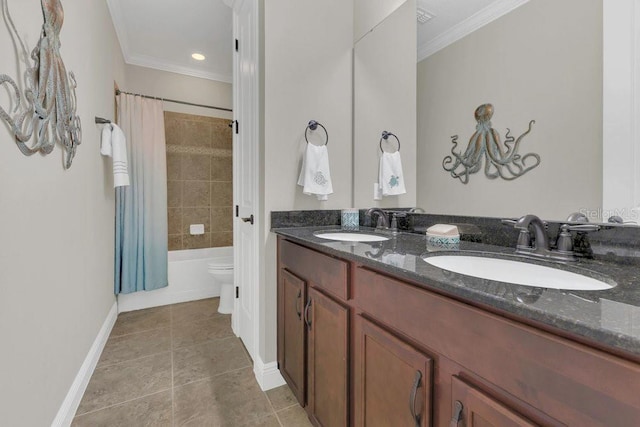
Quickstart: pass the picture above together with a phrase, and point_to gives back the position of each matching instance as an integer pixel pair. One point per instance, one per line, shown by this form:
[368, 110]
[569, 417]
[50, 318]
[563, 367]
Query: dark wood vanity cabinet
[473, 408]
[313, 332]
[392, 380]
[292, 337]
[327, 360]
[383, 352]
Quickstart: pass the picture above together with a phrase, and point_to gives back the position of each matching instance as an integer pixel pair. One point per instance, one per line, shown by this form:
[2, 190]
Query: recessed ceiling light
[198, 56]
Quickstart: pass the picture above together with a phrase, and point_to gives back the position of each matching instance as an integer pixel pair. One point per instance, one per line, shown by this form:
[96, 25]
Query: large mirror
[536, 60]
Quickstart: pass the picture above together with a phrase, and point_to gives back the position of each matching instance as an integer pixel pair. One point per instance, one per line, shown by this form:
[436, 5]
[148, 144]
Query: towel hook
[385, 136]
[101, 121]
[313, 125]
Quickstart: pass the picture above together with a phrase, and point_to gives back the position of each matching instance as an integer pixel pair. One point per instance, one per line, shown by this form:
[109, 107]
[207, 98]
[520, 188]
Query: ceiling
[162, 34]
[452, 20]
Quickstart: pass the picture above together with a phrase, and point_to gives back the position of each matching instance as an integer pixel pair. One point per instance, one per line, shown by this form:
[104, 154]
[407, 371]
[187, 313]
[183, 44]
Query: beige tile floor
[181, 365]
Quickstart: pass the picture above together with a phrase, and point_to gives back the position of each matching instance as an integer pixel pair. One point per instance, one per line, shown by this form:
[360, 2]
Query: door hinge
[237, 127]
[237, 45]
[237, 292]
[237, 211]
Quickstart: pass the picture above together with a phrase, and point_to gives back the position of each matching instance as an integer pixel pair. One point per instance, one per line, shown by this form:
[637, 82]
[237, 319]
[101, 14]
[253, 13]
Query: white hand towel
[114, 144]
[391, 177]
[315, 177]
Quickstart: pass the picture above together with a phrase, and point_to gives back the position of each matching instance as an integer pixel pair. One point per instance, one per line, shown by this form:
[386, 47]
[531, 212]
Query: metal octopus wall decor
[500, 161]
[46, 111]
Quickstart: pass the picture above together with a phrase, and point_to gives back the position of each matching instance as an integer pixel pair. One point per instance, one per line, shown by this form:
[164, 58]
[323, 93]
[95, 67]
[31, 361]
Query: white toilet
[221, 268]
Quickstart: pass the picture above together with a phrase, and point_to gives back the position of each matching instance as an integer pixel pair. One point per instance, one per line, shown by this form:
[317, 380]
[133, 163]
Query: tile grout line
[131, 360]
[121, 403]
[275, 413]
[211, 341]
[212, 376]
[288, 407]
[138, 332]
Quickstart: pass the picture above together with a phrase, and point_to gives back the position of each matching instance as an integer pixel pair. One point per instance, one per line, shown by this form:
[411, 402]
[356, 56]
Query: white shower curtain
[141, 208]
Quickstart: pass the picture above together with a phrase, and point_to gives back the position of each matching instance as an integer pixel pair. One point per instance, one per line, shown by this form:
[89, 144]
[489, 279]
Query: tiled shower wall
[199, 173]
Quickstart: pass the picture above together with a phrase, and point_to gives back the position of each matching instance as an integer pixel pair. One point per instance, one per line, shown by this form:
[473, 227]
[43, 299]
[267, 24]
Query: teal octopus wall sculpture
[499, 161]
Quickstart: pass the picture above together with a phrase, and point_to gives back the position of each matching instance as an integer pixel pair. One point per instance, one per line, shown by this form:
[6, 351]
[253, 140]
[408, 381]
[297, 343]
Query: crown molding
[478, 20]
[117, 17]
[157, 64]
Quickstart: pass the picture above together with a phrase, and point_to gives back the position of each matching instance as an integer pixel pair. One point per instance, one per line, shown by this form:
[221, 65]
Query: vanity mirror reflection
[568, 65]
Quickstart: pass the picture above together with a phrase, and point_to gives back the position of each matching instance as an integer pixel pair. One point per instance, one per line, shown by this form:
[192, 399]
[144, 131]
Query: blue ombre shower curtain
[141, 208]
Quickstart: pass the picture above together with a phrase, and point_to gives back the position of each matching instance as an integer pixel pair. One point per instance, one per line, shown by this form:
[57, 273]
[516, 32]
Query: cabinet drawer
[319, 270]
[570, 382]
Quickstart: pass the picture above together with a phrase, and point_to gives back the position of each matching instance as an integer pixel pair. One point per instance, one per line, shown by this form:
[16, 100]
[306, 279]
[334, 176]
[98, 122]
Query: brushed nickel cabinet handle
[412, 398]
[457, 414]
[306, 314]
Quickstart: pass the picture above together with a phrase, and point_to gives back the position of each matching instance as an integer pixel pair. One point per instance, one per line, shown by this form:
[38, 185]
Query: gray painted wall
[56, 257]
[542, 61]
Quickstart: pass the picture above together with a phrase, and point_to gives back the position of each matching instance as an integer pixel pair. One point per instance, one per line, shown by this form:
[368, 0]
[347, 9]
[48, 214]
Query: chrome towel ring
[385, 136]
[313, 125]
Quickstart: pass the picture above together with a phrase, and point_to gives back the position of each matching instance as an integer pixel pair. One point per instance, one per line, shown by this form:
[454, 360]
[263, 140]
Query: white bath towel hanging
[315, 177]
[391, 178]
[114, 145]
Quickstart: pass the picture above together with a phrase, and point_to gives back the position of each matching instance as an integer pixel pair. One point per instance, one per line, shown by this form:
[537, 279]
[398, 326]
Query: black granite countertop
[608, 318]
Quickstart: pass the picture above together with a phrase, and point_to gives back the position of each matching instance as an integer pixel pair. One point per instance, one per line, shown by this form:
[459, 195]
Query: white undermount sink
[516, 272]
[351, 237]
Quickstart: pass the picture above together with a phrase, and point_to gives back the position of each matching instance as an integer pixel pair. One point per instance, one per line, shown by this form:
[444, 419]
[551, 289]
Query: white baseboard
[164, 296]
[267, 374]
[71, 402]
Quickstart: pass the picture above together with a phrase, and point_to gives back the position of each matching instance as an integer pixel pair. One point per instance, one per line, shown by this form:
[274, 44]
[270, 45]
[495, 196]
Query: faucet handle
[507, 221]
[580, 227]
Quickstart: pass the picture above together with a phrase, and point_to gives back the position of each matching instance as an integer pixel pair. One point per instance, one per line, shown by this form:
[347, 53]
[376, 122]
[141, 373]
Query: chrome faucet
[383, 217]
[539, 246]
[540, 235]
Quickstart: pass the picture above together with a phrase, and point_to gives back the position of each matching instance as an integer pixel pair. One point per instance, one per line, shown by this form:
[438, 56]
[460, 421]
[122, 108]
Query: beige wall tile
[196, 242]
[175, 242]
[175, 220]
[174, 131]
[197, 134]
[197, 182]
[221, 194]
[196, 216]
[196, 194]
[174, 161]
[221, 168]
[221, 136]
[174, 194]
[221, 219]
[221, 240]
[196, 167]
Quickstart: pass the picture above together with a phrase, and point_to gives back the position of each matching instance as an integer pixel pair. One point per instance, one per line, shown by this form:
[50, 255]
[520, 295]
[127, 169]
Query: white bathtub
[189, 280]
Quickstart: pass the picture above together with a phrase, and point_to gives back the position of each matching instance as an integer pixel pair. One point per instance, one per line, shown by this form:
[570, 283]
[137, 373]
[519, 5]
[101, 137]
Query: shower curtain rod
[118, 92]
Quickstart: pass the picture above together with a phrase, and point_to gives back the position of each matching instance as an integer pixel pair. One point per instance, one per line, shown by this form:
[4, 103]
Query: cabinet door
[393, 381]
[292, 333]
[472, 408]
[328, 324]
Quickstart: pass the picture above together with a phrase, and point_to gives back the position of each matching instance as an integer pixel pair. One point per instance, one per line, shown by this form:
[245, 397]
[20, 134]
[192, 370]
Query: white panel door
[245, 172]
